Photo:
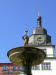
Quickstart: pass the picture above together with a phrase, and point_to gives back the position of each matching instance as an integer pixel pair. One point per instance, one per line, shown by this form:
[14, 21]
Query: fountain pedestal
[26, 56]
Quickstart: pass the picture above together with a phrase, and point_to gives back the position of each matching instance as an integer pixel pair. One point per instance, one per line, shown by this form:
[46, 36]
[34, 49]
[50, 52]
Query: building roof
[40, 30]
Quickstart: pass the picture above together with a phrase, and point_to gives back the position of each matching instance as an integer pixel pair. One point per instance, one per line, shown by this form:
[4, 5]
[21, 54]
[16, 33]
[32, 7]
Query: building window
[46, 66]
[19, 68]
[5, 68]
[35, 67]
[14, 67]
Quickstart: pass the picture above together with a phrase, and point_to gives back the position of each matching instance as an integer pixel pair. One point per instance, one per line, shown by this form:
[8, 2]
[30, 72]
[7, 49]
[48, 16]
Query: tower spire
[39, 19]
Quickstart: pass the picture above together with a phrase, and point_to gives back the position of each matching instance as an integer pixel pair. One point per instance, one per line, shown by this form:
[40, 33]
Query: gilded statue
[26, 39]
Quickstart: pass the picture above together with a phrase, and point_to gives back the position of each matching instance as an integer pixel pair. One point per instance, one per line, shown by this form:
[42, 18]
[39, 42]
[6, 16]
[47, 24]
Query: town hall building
[41, 39]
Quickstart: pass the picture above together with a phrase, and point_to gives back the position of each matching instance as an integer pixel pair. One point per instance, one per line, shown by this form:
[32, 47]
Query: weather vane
[38, 12]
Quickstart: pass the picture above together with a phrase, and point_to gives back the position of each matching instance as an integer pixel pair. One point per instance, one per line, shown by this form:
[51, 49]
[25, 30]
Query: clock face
[40, 39]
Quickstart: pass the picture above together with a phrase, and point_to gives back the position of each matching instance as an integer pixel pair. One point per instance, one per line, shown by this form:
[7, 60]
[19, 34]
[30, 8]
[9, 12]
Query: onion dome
[39, 29]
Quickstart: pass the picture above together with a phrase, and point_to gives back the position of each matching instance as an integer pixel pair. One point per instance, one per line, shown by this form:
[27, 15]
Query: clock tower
[39, 36]
[41, 39]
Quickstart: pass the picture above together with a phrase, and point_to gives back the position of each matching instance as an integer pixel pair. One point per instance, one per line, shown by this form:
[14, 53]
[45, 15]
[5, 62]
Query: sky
[16, 16]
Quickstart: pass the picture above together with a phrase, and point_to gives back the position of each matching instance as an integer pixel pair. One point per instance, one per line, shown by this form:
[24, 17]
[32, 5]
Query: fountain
[26, 56]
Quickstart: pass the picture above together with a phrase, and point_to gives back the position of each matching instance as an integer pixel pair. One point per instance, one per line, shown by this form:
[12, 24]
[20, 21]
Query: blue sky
[18, 15]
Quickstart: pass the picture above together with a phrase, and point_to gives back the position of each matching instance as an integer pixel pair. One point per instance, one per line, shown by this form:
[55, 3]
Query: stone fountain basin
[21, 54]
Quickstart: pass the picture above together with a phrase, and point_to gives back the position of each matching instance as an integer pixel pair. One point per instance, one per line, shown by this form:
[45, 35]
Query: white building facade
[40, 39]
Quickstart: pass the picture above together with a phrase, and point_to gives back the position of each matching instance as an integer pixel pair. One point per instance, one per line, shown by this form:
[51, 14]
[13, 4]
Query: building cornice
[9, 64]
[45, 45]
[51, 58]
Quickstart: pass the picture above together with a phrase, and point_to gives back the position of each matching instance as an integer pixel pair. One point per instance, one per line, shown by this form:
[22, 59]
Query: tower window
[35, 67]
[46, 66]
[5, 68]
